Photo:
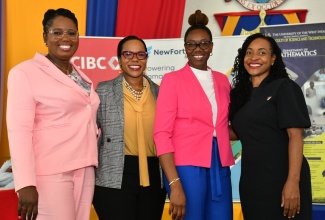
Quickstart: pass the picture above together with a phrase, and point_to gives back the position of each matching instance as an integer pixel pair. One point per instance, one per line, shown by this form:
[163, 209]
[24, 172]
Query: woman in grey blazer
[128, 178]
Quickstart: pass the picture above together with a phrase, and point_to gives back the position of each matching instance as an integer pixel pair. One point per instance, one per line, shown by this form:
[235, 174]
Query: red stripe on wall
[149, 19]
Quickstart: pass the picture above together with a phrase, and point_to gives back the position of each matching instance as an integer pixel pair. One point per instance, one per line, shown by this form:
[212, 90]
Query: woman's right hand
[177, 196]
[28, 203]
[177, 201]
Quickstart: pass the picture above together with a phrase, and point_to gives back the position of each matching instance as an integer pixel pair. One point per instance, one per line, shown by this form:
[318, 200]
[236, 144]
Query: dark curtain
[101, 17]
[150, 19]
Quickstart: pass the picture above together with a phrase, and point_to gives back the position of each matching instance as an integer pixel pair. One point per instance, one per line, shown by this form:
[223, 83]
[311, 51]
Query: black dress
[261, 126]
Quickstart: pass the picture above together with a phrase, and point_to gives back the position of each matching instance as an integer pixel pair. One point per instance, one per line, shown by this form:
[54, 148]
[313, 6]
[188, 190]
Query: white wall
[210, 7]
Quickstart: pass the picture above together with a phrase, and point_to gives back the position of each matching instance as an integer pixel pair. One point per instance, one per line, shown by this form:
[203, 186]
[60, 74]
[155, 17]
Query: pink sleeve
[20, 121]
[166, 111]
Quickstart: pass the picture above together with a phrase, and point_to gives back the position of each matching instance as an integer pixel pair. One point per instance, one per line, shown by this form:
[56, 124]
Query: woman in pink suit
[191, 132]
[51, 119]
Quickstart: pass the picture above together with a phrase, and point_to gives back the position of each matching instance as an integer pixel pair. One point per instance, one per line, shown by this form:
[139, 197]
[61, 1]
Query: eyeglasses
[58, 34]
[203, 45]
[140, 55]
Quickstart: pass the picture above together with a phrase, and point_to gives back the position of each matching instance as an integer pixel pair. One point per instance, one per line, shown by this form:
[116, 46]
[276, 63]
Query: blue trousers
[208, 190]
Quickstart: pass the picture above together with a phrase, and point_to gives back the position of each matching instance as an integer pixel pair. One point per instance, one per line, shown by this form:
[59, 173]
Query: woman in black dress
[268, 115]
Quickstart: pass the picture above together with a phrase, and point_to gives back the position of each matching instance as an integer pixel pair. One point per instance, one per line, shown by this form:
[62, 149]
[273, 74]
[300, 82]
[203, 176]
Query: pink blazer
[183, 123]
[51, 121]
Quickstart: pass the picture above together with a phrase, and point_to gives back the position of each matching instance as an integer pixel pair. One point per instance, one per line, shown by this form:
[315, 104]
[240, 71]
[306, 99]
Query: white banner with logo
[97, 57]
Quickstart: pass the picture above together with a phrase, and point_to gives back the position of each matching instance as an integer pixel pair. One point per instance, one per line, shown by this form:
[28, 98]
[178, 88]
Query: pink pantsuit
[52, 131]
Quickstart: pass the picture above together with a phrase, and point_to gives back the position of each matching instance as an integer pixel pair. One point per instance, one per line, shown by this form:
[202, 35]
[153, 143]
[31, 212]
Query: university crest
[258, 5]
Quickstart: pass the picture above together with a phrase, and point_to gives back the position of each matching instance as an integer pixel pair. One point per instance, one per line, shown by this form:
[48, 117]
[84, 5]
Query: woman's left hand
[291, 199]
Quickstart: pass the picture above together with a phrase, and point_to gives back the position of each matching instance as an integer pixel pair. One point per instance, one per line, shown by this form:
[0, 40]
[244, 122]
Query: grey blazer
[110, 119]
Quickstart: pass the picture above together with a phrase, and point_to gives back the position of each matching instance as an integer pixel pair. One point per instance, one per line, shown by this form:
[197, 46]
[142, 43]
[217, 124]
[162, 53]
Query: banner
[303, 51]
[97, 57]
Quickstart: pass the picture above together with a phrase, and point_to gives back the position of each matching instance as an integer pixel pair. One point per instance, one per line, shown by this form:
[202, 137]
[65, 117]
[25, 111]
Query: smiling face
[61, 48]
[258, 60]
[133, 67]
[198, 57]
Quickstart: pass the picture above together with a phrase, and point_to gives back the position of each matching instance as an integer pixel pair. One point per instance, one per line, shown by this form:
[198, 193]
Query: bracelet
[174, 180]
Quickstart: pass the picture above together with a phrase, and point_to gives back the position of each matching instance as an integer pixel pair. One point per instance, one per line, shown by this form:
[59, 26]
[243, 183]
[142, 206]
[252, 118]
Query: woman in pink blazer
[51, 119]
[191, 132]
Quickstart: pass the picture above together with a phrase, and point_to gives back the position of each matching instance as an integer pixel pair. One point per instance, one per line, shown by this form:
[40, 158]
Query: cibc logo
[90, 63]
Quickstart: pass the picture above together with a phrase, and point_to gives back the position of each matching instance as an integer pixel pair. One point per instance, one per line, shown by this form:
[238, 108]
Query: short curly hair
[52, 13]
[126, 39]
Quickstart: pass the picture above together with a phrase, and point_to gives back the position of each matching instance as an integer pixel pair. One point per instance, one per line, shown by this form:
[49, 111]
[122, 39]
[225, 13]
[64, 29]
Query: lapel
[49, 68]
[216, 86]
[153, 87]
[198, 99]
[194, 84]
[85, 78]
[119, 96]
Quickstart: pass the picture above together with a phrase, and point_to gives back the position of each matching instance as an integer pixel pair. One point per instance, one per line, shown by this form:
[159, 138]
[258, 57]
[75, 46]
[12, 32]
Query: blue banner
[303, 51]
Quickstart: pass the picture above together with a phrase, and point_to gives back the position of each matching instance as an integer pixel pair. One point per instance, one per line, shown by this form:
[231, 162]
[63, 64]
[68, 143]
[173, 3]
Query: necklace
[66, 71]
[135, 93]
